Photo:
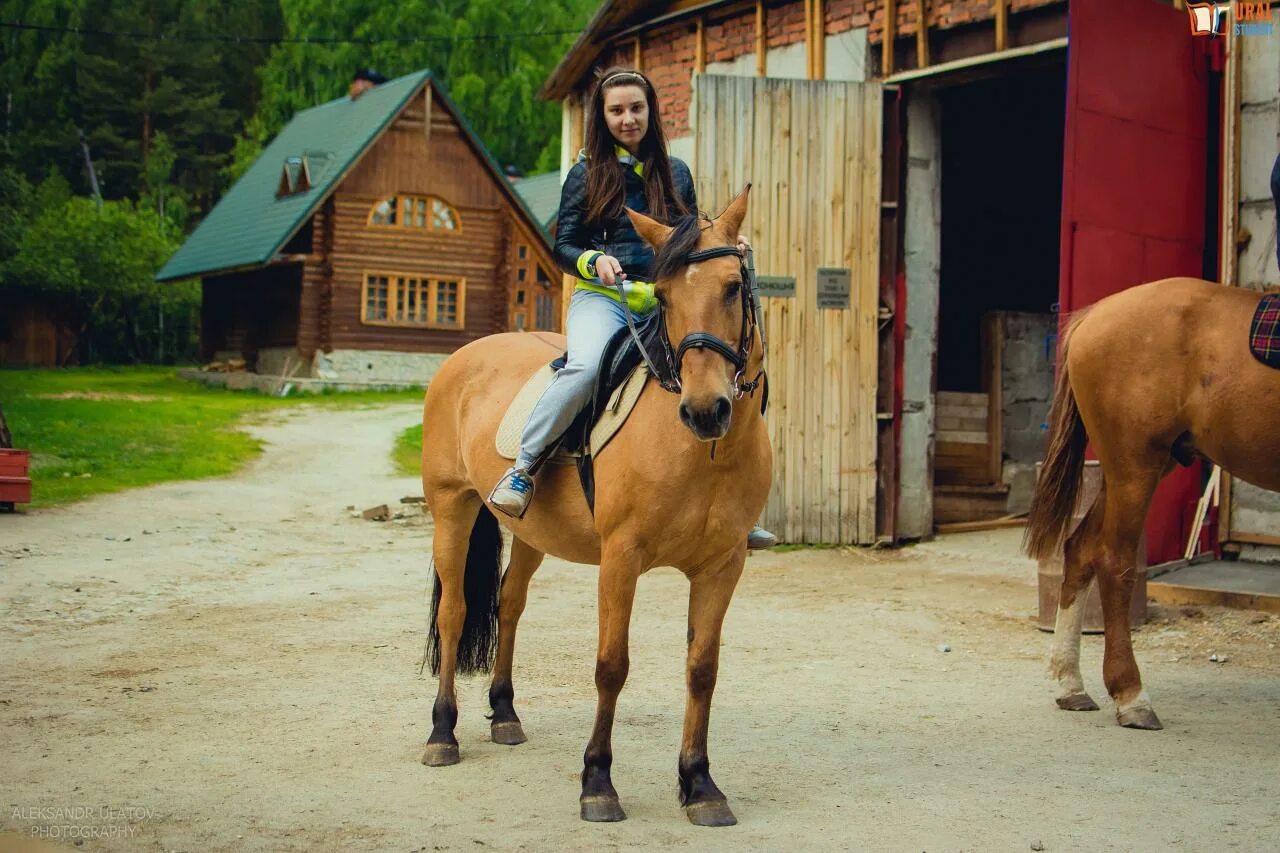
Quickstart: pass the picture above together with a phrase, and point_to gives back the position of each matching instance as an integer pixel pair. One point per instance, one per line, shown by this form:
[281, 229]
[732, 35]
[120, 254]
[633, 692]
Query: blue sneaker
[760, 539]
[512, 494]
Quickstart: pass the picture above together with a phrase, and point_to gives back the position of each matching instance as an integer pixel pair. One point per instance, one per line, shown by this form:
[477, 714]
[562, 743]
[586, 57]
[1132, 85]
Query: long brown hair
[606, 181]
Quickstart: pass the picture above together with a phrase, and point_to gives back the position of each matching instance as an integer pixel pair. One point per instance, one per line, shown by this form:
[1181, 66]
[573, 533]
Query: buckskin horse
[1151, 377]
[681, 484]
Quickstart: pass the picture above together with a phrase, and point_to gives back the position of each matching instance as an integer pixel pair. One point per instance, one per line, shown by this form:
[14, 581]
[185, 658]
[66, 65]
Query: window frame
[396, 280]
[428, 219]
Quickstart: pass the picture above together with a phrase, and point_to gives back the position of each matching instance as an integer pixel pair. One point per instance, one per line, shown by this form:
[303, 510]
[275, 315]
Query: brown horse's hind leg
[505, 726]
[1078, 565]
[709, 596]
[1127, 499]
[454, 515]
[618, 575]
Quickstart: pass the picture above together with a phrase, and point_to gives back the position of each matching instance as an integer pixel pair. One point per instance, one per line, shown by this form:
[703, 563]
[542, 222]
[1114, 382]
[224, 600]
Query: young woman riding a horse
[625, 163]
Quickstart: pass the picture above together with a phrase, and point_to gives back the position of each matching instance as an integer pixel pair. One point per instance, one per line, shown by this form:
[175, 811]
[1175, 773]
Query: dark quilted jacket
[618, 238]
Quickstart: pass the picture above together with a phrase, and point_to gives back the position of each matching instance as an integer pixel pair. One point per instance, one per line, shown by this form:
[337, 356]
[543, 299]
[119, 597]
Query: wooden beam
[1254, 538]
[700, 48]
[762, 47]
[976, 61]
[1002, 24]
[888, 36]
[638, 64]
[819, 40]
[1178, 595]
[922, 34]
[808, 39]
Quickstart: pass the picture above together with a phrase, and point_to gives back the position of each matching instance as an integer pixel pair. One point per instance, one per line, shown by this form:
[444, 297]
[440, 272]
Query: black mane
[673, 256]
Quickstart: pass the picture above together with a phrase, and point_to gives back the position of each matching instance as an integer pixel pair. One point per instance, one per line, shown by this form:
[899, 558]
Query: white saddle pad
[621, 402]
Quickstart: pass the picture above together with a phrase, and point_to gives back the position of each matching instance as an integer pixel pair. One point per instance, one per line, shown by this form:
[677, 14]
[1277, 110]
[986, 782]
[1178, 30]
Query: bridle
[738, 357]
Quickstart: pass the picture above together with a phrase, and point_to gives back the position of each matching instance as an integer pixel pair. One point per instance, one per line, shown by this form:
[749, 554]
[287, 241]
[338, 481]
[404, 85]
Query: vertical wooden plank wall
[812, 152]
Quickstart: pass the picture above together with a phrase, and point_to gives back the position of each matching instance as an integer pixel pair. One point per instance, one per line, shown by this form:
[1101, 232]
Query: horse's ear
[731, 219]
[651, 231]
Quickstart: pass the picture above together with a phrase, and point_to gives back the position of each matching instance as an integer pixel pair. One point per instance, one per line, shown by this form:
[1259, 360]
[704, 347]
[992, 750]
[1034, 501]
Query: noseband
[750, 301]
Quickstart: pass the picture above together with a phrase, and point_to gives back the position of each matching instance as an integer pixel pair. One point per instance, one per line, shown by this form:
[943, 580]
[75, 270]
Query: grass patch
[407, 454]
[98, 430]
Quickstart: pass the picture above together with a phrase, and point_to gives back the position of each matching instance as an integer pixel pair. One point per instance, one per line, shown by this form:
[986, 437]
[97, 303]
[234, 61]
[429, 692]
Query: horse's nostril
[724, 410]
[686, 416]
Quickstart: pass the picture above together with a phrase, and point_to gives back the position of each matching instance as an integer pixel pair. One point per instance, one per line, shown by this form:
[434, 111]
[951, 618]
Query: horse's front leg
[619, 571]
[709, 596]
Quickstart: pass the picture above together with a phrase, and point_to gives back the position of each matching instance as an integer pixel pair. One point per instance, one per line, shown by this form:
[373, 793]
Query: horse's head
[698, 276]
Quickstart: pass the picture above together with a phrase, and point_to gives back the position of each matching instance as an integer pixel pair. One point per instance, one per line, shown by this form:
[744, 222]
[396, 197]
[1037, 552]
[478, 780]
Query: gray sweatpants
[593, 319]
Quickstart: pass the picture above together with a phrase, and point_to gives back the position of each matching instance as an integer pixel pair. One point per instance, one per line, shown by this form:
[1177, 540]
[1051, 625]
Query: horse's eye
[662, 300]
[733, 291]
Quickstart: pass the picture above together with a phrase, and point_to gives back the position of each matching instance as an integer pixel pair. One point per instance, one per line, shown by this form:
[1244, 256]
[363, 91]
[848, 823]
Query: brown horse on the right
[1151, 376]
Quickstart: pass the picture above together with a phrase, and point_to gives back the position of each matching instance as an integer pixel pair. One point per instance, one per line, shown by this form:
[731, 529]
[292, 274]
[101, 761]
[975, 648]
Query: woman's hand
[609, 271]
[743, 245]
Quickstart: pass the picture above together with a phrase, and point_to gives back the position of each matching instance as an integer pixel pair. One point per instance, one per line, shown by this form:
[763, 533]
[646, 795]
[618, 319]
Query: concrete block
[366, 366]
[683, 148]
[1259, 131]
[1026, 446]
[1024, 357]
[1260, 554]
[787, 62]
[846, 55]
[1257, 263]
[1261, 72]
[1025, 387]
[739, 66]
[1018, 417]
[1021, 479]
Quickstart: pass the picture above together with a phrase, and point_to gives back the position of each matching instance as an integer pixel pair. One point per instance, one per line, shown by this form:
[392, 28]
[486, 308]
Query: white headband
[611, 77]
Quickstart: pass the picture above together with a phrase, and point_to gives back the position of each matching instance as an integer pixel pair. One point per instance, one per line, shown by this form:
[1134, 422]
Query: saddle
[1264, 332]
[622, 377]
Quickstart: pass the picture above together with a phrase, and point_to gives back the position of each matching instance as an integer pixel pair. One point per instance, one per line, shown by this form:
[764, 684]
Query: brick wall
[668, 50]
[668, 58]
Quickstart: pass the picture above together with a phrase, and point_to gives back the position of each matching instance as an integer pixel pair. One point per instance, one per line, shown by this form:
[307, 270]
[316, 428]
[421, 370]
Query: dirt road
[233, 664]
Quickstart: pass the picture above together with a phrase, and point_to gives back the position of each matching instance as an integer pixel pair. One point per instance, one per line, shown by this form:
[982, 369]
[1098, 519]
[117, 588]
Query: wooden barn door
[811, 150]
[1134, 176]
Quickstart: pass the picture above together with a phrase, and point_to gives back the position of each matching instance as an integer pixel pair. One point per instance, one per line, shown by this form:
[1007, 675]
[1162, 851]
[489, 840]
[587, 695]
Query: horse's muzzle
[709, 423]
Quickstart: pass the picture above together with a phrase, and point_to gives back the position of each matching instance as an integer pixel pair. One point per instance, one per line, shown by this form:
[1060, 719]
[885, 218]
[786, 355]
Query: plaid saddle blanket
[1264, 334]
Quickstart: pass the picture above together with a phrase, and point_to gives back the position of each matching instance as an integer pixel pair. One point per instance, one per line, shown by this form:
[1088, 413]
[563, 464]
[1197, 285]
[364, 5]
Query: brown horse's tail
[1059, 481]
[481, 581]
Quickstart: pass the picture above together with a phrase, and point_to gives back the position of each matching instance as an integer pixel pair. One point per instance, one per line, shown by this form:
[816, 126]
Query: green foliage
[406, 456]
[494, 82]
[170, 121]
[95, 268]
[96, 430]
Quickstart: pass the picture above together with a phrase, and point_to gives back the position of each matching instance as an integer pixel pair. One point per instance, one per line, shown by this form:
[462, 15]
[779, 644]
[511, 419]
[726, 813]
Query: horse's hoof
[1139, 718]
[601, 809]
[507, 733]
[1077, 702]
[441, 755]
[710, 813]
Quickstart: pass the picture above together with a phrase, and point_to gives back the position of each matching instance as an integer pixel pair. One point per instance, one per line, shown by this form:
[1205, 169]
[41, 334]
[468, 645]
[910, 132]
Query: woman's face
[626, 113]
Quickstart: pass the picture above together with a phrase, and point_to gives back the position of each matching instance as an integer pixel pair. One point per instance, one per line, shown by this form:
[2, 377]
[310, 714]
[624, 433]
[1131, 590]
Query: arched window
[416, 211]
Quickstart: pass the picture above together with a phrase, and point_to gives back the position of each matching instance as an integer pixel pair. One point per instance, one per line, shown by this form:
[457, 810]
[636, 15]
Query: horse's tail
[481, 581]
[1059, 481]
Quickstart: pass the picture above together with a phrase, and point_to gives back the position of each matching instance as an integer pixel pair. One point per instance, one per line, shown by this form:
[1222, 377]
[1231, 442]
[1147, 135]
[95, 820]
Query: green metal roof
[541, 194]
[249, 225]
